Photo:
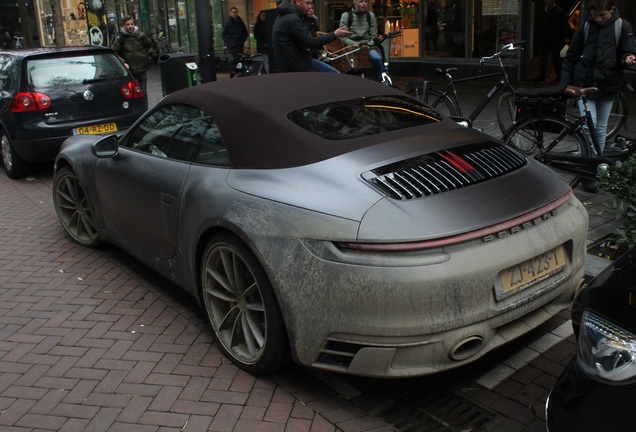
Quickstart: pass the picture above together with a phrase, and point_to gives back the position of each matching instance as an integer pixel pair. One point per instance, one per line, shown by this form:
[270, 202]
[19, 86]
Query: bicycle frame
[502, 83]
[581, 166]
[451, 91]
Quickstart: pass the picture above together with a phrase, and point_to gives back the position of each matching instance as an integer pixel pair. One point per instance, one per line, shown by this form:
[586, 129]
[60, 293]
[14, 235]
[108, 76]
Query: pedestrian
[234, 33]
[293, 40]
[364, 26]
[7, 43]
[314, 27]
[133, 48]
[600, 47]
[432, 27]
[262, 45]
[552, 29]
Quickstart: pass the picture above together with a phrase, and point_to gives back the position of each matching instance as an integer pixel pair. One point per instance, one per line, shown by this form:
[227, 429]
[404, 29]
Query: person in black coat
[234, 33]
[552, 31]
[260, 35]
[293, 40]
[596, 58]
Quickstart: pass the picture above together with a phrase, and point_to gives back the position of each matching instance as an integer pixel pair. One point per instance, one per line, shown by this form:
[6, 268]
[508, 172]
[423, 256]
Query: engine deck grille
[445, 171]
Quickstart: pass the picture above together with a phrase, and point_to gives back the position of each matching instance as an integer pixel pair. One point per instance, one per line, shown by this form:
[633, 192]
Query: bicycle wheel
[533, 135]
[618, 115]
[506, 111]
[436, 100]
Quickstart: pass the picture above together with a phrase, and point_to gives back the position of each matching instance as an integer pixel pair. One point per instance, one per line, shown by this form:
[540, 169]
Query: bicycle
[347, 60]
[544, 130]
[238, 65]
[619, 113]
[446, 101]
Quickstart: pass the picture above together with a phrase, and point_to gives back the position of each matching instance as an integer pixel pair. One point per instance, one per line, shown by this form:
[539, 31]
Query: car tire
[72, 208]
[15, 166]
[241, 306]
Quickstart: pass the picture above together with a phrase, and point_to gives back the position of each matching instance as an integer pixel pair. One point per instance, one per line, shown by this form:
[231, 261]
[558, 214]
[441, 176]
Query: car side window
[212, 150]
[6, 74]
[171, 131]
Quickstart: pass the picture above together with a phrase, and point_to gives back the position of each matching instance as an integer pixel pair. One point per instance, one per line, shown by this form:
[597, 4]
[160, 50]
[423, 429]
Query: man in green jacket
[132, 46]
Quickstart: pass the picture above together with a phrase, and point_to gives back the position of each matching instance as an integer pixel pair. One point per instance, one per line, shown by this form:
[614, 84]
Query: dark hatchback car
[597, 391]
[49, 94]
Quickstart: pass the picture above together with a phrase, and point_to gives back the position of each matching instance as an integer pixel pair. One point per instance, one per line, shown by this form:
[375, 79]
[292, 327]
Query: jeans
[599, 110]
[319, 66]
[264, 63]
[142, 78]
[377, 65]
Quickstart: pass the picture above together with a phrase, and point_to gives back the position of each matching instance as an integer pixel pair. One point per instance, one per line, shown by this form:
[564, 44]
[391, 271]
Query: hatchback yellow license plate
[530, 272]
[96, 129]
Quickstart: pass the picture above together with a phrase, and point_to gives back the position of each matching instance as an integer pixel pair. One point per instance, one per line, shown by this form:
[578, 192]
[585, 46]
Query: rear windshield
[364, 116]
[62, 71]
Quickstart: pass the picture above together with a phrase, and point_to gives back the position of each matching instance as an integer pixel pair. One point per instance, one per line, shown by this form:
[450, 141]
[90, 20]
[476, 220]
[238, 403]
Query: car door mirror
[106, 147]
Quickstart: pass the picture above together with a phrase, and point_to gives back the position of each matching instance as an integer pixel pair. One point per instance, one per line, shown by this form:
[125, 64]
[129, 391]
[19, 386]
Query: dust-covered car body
[384, 241]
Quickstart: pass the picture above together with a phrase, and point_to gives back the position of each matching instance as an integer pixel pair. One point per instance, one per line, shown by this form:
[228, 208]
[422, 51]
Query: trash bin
[177, 72]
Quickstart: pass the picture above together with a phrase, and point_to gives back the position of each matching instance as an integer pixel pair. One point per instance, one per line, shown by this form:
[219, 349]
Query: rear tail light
[30, 101]
[132, 90]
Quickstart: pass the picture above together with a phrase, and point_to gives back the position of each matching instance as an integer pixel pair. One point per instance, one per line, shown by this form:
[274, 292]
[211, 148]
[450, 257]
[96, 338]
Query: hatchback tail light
[132, 90]
[30, 101]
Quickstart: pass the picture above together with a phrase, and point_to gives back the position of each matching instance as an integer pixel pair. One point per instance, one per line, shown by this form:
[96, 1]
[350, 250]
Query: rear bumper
[42, 142]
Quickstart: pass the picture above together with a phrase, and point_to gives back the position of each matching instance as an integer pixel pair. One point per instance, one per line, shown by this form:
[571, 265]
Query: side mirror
[106, 147]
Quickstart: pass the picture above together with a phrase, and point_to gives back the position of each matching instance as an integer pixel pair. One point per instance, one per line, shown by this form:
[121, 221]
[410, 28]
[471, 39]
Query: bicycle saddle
[577, 92]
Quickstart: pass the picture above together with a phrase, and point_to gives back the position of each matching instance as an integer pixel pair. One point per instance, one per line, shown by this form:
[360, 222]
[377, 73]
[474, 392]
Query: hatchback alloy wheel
[14, 166]
[72, 208]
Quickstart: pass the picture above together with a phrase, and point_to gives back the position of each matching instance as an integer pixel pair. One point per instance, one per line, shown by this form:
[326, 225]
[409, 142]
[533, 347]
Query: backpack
[618, 30]
[350, 19]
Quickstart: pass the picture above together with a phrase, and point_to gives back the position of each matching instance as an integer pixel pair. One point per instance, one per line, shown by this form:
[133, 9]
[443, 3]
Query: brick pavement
[91, 340]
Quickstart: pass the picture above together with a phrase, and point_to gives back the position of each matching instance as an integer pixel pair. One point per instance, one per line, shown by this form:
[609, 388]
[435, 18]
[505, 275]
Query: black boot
[589, 186]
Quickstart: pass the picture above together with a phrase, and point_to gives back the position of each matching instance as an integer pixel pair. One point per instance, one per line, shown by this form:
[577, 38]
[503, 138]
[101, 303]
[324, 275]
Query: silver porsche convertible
[332, 221]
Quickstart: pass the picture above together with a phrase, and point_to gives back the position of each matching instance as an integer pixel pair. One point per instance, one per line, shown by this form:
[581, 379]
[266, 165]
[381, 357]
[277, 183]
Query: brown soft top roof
[251, 113]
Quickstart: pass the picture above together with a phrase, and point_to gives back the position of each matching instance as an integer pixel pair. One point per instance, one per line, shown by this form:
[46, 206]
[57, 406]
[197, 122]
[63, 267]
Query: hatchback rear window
[62, 71]
[364, 116]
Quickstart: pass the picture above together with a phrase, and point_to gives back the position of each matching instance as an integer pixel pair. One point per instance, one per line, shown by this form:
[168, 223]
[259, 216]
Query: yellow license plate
[95, 129]
[530, 272]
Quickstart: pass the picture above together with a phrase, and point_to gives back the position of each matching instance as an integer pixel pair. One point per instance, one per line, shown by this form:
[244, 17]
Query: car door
[140, 192]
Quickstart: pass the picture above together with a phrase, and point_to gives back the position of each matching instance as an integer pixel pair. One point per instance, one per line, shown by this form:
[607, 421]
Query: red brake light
[132, 90]
[30, 101]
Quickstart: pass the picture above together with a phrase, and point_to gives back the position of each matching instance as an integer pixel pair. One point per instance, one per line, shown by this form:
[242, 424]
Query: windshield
[61, 71]
[364, 116]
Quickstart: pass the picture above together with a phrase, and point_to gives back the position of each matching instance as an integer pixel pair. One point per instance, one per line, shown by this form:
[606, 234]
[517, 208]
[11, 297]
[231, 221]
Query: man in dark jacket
[132, 46]
[293, 40]
[234, 33]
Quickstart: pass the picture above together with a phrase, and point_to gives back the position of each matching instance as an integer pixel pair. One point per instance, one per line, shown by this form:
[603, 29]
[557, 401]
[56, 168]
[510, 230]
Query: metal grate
[445, 171]
[438, 412]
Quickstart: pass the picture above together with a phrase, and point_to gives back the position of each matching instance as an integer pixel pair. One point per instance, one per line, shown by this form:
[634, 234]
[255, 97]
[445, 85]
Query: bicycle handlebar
[377, 41]
[506, 48]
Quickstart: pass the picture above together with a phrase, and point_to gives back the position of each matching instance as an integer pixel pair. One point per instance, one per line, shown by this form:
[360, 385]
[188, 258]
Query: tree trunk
[26, 28]
[58, 23]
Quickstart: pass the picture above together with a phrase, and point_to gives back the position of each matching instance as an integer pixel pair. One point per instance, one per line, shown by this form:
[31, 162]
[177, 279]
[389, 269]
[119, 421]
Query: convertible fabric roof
[251, 113]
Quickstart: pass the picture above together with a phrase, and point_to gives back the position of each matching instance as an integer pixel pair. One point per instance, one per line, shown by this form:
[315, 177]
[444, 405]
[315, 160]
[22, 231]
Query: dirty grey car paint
[308, 230]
